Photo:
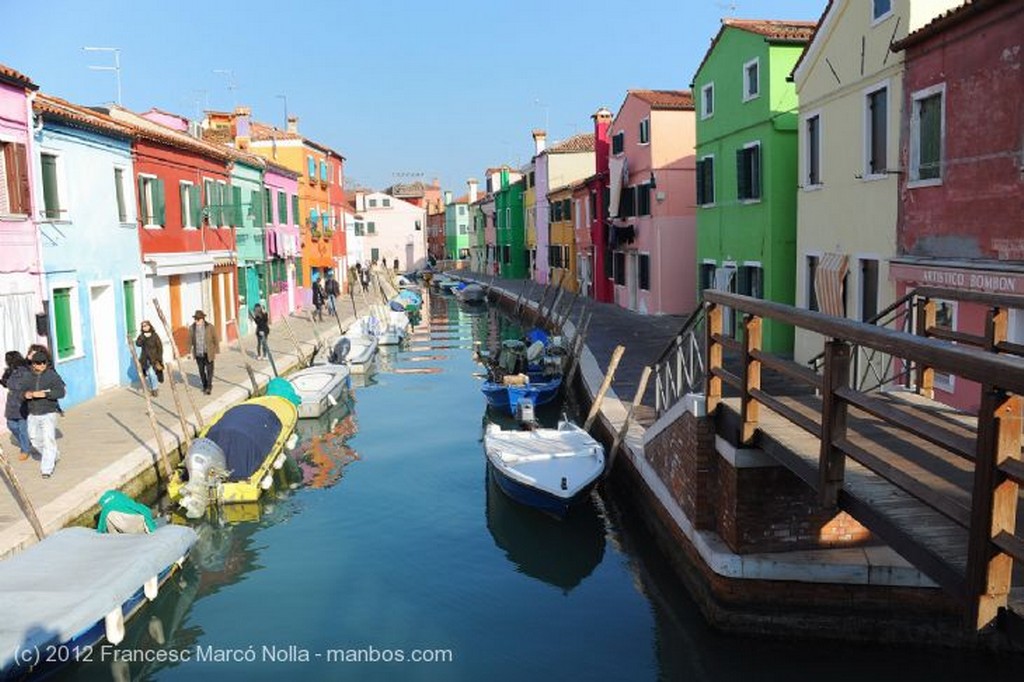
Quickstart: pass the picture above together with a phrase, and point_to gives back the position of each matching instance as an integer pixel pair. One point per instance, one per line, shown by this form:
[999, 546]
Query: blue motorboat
[519, 372]
[507, 393]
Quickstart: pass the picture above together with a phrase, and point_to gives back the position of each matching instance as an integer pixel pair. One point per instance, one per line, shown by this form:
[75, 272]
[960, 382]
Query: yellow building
[562, 240]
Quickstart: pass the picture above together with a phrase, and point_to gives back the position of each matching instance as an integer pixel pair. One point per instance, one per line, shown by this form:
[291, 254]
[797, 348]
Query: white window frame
[186, 218]
[875, 20]
[804, 279]
[206, 204]
[805, 156]
[644, 134]
[146, 202]
[941, 381]
[713, 188]
[63, 195]
[756, 61]
[760, 172]
[76, 321]
[866, 129]
[707, 97]
[126, 172]
[858, 259]
[914, 179]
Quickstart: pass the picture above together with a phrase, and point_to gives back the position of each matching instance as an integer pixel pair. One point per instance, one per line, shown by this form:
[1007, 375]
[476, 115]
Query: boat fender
[113, 625]
[279, 462]
[565, 483]
[267, 481]
[332, 400]
[151, 587]
[292, 441]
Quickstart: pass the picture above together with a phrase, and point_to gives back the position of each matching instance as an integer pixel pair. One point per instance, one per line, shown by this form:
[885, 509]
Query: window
[295, 209]
[208, 204]
[880, 9]
[644, 263]
[323, 171]
[748, 172]
[506, 254]
[122, 208]
[311, 167]
[359, 229]
[706, 275]
[374, 255]
[188, 195]
[268, 205]
[812, 154]
[618, 142]
[643, 199]
[371, 228]
[751, 280]
[14, 180]
[868, 289]
[645, 131]
[619, 267]
[256, 207]
[220, 204]
[386, 203]
[418, 226]
[751, 80]
[151, 201]
[812, 269]
[706, 181]
[236, 206]
[372, 203]
[707, 101]
[945, 317]
[877, 103]
[927, 122]
[282, 208]
[51, 190]
[63, 322]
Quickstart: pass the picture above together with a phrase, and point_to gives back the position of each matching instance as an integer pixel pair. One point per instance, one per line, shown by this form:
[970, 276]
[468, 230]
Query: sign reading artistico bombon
[955, 278]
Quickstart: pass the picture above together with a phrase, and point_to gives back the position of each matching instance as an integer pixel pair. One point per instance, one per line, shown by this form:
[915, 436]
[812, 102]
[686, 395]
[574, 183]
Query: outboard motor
[340, 351]
[525, 414]
[207, 467]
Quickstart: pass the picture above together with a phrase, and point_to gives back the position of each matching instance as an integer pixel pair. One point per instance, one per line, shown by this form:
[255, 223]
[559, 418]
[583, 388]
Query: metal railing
[680, 368]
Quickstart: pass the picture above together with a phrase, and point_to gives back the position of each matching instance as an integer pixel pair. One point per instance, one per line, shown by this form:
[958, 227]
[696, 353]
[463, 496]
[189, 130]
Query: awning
[165, 264]
[829, 278]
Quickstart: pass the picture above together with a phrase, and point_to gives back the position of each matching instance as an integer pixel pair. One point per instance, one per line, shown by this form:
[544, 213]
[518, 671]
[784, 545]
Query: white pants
[42, 431]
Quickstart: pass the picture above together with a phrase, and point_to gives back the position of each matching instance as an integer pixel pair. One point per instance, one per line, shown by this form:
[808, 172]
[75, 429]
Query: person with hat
[42, 387]
[204, 344]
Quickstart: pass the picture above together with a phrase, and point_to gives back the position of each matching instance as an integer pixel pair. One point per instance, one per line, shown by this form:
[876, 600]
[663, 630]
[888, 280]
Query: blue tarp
[246, 433]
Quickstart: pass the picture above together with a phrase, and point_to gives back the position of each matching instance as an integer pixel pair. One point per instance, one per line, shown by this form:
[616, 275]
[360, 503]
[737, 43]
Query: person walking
[16, 411]
[262, 321]
[204, 345]
[151, 356]
[364, 277]
[332, 290]
[42, 388]
[319, 295]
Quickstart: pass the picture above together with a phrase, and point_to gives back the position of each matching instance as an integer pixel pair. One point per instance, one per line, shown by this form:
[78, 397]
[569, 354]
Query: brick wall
[683, 456]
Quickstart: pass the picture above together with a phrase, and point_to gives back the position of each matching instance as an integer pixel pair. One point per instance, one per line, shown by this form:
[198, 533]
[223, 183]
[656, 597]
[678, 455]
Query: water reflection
[561, 553]
[322, 452]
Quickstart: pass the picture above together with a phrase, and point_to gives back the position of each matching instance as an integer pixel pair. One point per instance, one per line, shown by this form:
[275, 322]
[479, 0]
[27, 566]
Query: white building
[382, 228]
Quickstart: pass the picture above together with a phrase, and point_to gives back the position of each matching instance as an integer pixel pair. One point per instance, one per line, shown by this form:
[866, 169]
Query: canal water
[384, 541]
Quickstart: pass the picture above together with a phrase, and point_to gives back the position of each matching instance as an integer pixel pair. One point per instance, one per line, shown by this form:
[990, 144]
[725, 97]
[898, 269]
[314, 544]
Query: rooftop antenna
[231, 83]
[116, 68]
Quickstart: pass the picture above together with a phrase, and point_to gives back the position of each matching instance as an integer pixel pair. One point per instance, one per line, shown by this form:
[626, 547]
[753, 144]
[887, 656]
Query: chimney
[293, 124]
[447, 197]
[472, 190]
[360, 202]
[242, 129]
[602, 120]
[539, 138]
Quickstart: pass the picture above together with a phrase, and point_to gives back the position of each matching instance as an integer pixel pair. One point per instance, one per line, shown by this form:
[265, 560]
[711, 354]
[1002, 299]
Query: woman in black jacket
[151, 355]
[262, 322]
[16, 411]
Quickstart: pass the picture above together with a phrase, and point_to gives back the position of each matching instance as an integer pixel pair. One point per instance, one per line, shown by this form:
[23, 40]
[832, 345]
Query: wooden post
[831, 460]
[177, 361]
[713, 352]
[568, 312]
[162, 449]
[245, 361]
[521, 298]
[993, 505]
[621, 435]
[926, 310]
[577, 349]
[295, 339]
[19, 492]
[605, 385]
[186, 428]
[749, 407]
[996, 324]
[316, 330]
[552, 314]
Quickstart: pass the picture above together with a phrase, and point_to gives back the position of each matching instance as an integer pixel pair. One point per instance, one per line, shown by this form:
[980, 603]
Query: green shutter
[256, 201]
[144, 209]
[298, 272]
[742, 183]
[183, 194]
[236, 203]
[295, 209]
[755, 172]
[62, 322]
[159, 203]
[282, 208]
[129, 305]
[701, 186]
[51, 200]
[930, 110]
[194, 207]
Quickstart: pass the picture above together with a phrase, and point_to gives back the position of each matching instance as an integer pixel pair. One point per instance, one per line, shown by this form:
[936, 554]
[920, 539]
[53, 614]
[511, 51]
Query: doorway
[633, 278]
[103, 314]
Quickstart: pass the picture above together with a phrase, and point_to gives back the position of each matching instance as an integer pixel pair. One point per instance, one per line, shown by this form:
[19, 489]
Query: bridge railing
[995, 453]
[680, 367]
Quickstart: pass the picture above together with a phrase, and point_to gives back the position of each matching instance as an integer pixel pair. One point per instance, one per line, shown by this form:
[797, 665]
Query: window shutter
[295, 209]
[122, 212]
[323, 171]
[701, 186]
[51, 201]
[236, 204]
[144, 208]
[62, 322]
[21, 177]
[312, 166]
[282, 208]
[755, 172]
[195, 206]
[128, 287]
[709, 180]
[742, 183]
[159, 202]
[184, 193]
[256, 202]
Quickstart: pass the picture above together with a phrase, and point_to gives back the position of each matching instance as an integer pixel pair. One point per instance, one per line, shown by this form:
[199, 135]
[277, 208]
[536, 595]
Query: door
[725, 280]
[103, 315]
[410, 261]
[633, 278]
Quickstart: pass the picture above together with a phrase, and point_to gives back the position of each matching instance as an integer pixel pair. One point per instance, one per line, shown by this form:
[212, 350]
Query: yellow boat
[234, 457]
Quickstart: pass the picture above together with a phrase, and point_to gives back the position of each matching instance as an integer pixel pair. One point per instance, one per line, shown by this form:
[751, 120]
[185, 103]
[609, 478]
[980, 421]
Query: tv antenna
[116, 68]
[232, 86]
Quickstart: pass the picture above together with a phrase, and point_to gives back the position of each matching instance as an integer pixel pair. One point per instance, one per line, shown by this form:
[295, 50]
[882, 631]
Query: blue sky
[400, 88]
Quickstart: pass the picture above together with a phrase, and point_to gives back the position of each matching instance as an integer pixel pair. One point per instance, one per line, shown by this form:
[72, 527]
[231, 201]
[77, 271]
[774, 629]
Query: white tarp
[616, 172]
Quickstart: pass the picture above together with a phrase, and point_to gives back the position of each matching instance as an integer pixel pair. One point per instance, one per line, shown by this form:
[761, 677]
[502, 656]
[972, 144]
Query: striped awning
[828, 283]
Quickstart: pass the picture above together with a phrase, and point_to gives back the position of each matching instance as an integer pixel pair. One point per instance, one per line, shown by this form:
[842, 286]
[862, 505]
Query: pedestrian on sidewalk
[204, 345]
[364, 277]
[332, 290]
[42, 388]
[151, 356]
[262, 322]
[318, 299]
[16, 410]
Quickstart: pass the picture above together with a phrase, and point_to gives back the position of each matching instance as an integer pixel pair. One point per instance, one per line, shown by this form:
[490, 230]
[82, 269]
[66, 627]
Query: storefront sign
[958, 278]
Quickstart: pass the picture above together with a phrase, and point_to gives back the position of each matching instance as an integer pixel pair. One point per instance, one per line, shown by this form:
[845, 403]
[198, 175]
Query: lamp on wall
[653, 183]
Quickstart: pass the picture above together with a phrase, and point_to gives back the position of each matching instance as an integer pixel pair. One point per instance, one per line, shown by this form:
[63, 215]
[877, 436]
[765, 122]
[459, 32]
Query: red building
[185, 222]
[435, 232]
[336, 199]
[593, 248]
[961, 221]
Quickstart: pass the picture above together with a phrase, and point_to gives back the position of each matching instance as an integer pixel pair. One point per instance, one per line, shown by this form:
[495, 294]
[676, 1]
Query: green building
[747, 164]
[510, 229]
[247, 185]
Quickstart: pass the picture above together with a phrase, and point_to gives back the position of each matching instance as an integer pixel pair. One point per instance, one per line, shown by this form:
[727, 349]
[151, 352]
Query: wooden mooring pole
[19, 492]
[161, 448]
[177, 361]
[295, 340]
[605, 385]
[621, 435]
[577, 348]
[245, 360]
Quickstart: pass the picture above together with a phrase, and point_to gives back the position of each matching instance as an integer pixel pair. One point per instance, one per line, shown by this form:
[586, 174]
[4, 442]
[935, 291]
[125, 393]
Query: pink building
[21, 298]
[652, 202]
[282, 242]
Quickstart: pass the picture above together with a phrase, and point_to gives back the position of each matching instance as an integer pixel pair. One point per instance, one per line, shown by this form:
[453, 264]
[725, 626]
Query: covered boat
[75, 589]
[512, 388]
[234, 457]
[520, 372]
[320, 387]
[471, 294]
[549, 469]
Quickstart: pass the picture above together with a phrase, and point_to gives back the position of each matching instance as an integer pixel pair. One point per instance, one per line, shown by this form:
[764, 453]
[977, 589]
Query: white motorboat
[355, 350]
[383, 328]
[549, 469]
[320, 387]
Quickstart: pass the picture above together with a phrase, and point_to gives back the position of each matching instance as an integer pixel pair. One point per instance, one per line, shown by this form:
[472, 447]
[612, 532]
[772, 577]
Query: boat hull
[538, 499]
[320, 387]
[506, 397]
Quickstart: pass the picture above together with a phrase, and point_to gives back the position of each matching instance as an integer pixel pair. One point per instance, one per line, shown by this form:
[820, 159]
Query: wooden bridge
[938, 486]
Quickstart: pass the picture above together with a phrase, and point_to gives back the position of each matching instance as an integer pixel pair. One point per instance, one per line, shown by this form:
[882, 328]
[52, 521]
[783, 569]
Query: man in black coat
[42, 388]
